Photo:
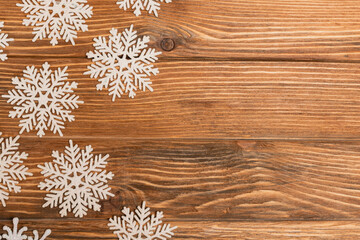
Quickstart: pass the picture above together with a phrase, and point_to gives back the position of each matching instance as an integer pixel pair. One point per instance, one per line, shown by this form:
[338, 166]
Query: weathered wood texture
[213, 100]
[240, 69]
[243, 29]
[69, 229]
[213, 180]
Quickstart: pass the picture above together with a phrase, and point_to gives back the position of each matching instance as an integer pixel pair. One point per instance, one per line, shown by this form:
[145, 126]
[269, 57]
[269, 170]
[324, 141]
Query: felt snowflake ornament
[56, 19]
[76, 180]
[19, 234]
[11, 168]
[152, 6]
[123, 63]
[140, 225]
[43, 99]
[4, 42]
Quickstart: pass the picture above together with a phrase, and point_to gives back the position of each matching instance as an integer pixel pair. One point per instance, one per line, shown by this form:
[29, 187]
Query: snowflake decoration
[18, 234]
[152, 6]
[123, 63]
[11, 170]
[4, 42]
[56, 19]
[140, 225]
[76, 180]
[43, 99]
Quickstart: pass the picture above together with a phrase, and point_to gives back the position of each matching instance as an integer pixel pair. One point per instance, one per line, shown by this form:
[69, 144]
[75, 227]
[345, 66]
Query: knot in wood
[167, 44]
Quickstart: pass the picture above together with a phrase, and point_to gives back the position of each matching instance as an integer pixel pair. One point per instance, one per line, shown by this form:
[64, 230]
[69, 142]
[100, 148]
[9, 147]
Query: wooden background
[252, 131]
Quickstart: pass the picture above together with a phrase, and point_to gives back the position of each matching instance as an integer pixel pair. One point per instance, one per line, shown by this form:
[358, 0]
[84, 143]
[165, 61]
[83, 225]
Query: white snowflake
[11, 168]
[4, 42]
[19, 234]
[56, 19]
[43, 99]
[140, 225]
[76, 180]
[152, 6]
[123, 63]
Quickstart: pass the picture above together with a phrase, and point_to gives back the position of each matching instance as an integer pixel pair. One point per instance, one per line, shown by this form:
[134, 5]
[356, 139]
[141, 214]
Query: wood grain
[316, 30]
[212, 180]
[67, 229]
[193, 99]
[282, 74]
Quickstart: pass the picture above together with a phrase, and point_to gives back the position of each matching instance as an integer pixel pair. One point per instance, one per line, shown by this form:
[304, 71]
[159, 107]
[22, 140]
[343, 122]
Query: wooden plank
[212, 180]
[319, 30]
[212, 100]
[69, 229]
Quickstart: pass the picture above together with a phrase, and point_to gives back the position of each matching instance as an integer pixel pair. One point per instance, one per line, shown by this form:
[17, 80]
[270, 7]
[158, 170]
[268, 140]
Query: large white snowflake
[56, 19]
[11, 169]
[152, 6]
[140, 225]
[123, 63]
[77, 179]
[4, 42]
[19, 234]
[43, 99]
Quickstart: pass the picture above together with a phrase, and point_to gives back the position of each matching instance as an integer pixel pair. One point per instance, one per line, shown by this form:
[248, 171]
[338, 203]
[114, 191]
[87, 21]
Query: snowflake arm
[151, 6]
[19, 234]
[76, 181]
[56, 19]
[140, 225]
[123, 63]
[4, 42]
[11, 169]
[43, 99]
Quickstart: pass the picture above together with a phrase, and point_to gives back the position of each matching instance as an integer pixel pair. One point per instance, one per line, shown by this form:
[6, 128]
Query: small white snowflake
[76, 180]
[11, 169]
[43, 99]
[123, 63]
[152, 6]
[56, 19]
[4, 42]
[140, 225]
[19, 234]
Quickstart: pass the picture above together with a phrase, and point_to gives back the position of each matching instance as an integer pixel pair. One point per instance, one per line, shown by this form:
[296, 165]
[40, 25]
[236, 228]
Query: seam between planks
[197, 59]
[307, 139]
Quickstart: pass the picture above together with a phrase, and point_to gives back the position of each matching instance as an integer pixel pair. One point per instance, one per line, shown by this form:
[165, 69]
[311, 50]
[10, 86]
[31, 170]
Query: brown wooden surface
[213, 180]
[217, 230]
[321, 30]
[252, 131]
[212, 99]
[318, 230]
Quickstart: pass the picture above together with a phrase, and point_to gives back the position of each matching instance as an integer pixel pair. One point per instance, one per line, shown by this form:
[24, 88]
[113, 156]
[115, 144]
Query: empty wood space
[252, 131]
